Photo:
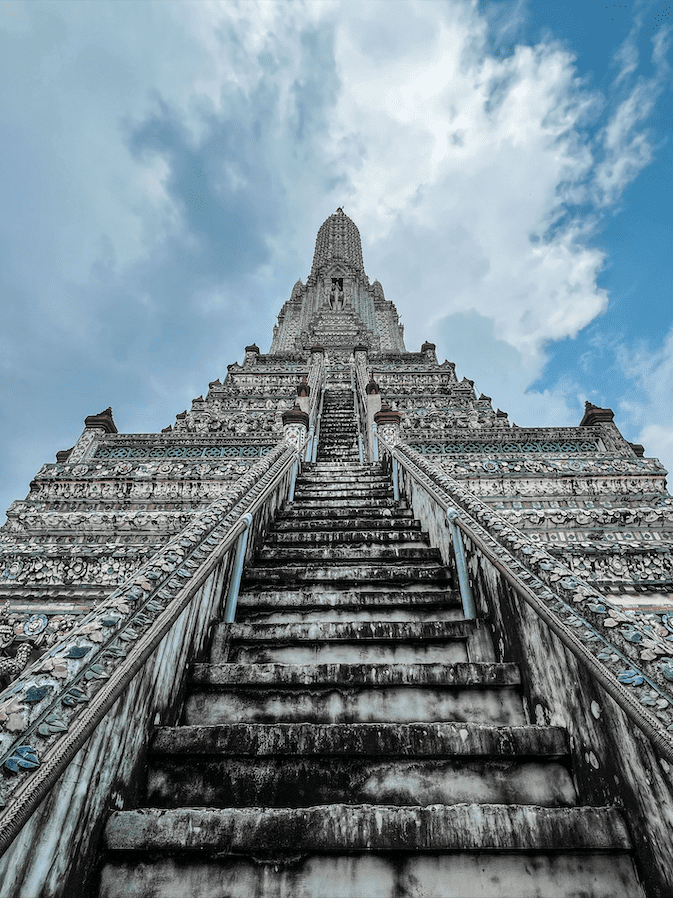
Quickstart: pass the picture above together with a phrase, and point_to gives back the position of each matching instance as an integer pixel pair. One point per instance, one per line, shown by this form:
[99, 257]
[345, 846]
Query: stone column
[388, 424]
[303, 393]
[295, 426]
[373, 394]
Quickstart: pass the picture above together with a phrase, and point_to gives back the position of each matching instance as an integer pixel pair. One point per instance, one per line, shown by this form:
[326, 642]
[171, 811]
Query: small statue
[10, 668]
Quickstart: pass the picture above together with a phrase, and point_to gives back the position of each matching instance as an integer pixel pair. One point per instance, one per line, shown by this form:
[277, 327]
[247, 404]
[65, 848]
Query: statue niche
[336, 295]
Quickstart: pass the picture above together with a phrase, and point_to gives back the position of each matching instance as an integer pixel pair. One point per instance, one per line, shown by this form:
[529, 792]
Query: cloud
[167, 165]
[505, 374]
[650, 398]
[626, 145]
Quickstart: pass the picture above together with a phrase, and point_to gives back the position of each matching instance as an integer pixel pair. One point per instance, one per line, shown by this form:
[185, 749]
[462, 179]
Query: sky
[165, 167]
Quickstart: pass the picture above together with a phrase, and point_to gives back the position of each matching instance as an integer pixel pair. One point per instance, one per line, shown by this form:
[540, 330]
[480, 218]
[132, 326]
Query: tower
[340, 629]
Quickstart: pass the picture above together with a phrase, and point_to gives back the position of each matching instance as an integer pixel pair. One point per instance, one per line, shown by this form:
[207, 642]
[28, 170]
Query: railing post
[376, 442]
[463, 578]
[396, 481]
[356, 412]
[308, 455]
[237, 571]
[316, 436]
[293, 481]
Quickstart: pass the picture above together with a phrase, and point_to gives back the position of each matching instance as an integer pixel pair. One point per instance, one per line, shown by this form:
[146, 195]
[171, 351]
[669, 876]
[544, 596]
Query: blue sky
[166, 166]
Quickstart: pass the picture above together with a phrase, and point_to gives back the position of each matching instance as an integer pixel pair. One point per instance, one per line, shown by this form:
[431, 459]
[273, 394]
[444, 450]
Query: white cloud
[462, 170]
[626, 144]
[651, 399]
[469, 161]
[627, 150]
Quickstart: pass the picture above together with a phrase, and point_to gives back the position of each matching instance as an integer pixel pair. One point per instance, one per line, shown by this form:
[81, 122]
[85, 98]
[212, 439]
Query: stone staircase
[338, 430]
[352, 736]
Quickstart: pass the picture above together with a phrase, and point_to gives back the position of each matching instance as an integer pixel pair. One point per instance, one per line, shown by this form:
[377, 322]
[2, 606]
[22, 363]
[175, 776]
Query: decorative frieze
[609, 487]
[534, 446]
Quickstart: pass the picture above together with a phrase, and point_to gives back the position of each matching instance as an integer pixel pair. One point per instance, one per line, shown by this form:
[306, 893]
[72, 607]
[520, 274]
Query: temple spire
[338, 240]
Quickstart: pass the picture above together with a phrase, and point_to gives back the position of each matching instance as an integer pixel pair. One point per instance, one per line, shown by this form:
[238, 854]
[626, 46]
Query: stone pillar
[373, 407]
[360, 353]
[95, 427]
[295, 426]
[388, 424]
[303, 393]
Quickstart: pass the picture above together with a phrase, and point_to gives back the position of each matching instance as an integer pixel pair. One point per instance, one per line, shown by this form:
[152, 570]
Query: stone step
[314, 874]
[350, 502]
[336, 431]
[326, 605]
[353, 642]
[332, 414]
[337, 419]
[412, 740]
[269, 676]
[352, 552]
[355, 828]
[331, 431]
[344, 450]
[354, 693]
[341, 525]
[356, 572]
[299, 513]
[332, 480]
[333, 421]
[343, 467]
[356, 535]
[337, 491]
[300, 765]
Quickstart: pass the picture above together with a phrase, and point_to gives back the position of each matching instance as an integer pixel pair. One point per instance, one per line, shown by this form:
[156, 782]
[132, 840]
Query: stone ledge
[461, 674]
[436, 740]
[368, 828]
[360, 631]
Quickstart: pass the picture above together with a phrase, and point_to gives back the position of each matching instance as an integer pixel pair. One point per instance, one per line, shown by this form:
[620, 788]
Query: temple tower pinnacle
[338, 307]
[339, 241]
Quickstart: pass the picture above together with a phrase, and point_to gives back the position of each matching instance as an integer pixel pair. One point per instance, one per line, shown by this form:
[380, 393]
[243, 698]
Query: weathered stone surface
[370, 875]
[344, 828]
[341, 704]
[462, 675]
[405, 740]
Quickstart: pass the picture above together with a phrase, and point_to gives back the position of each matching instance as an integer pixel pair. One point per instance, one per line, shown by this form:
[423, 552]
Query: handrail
[532, 578]
[359, 391]
[191, 556]
[358, 416]
[316, 430]
[317, 390]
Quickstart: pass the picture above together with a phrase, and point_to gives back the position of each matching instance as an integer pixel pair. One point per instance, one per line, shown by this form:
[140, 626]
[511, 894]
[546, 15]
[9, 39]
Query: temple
[341, 630]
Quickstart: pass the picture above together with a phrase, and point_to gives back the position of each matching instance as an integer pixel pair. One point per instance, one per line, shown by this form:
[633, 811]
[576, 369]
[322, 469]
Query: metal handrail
[356, 410]
[30, 794]
[359, 394]
[315, 409]
[502, 559]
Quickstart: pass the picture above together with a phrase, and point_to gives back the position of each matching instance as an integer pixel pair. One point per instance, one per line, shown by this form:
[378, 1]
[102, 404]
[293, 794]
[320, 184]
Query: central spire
[338, 240]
